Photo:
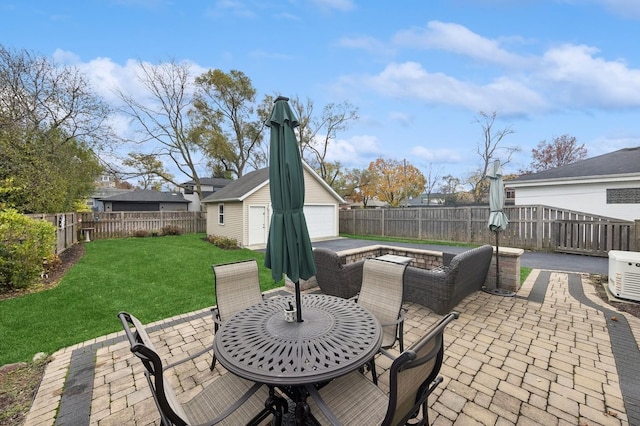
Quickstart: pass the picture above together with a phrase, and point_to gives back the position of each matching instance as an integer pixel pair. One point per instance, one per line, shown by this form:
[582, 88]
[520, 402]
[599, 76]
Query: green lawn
[153, 278]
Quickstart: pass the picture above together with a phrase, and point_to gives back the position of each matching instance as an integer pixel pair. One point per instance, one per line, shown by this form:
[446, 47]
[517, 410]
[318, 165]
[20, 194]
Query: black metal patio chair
[382, 293]
[228, 400]
[354, 400]
[237, 286]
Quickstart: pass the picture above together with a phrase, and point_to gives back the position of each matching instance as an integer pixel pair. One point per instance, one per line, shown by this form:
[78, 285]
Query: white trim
[326, 186]
[221, 223]
[627, 177]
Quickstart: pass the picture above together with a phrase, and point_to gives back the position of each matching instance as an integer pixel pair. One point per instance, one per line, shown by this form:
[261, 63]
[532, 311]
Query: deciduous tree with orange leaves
[394, 181]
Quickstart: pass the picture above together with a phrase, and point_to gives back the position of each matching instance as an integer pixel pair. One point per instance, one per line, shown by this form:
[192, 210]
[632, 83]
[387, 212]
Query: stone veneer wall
[509, 269]
[429, 259]
[425, 259]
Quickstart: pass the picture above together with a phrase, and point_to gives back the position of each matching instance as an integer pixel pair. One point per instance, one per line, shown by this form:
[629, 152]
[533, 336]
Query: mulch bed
[630, 307]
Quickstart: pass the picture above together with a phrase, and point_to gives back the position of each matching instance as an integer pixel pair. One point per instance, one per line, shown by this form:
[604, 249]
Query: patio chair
[354, 399]
[381, 293]
[228, 400]
[237, 286]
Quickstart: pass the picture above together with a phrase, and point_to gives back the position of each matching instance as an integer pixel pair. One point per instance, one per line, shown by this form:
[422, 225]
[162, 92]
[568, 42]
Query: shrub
[141, 233]
[24, 244]
[171, 230]
[223, 242]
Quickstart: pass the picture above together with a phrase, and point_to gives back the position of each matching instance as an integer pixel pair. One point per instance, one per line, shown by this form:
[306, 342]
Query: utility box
[624, 274]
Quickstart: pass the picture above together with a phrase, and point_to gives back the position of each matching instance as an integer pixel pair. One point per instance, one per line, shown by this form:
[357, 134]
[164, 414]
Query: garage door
[321, 221]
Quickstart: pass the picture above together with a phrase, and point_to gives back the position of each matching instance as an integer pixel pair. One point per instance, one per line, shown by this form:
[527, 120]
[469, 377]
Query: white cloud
[238, 8]
[436, 155]
[457, 39]
[624, 8]
[341, 5]
[575, 76]
[357, 151]
[565, 77]
[105, 75]
[410, 80]
[402, 118]
[370, 45]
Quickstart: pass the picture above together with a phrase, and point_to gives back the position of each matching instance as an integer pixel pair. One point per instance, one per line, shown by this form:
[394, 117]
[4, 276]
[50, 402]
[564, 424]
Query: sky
[419, 72]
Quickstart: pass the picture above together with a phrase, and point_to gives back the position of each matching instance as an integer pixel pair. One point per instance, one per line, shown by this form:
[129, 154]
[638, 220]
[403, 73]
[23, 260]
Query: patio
[554, 355]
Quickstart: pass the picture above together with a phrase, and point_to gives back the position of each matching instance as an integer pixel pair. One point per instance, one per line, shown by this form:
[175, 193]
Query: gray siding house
[606, 185]
[145, 200]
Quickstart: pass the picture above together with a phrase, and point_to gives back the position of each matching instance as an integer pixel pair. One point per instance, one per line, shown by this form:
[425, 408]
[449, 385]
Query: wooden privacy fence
[66, 228]
[594, 238]
[126, 224]
[535, 227]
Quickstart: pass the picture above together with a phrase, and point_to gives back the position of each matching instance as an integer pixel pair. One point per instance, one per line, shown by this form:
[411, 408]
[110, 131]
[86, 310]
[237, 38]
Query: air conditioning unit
[624, 274]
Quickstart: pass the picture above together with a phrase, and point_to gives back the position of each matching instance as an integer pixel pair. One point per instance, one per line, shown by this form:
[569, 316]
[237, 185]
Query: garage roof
[243, 187]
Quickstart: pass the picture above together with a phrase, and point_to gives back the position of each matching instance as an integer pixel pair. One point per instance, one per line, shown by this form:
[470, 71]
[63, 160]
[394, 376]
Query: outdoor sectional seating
[334, 276]
[442, 288]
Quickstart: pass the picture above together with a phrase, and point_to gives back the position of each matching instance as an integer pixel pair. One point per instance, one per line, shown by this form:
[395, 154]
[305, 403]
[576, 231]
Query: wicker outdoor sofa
[439, 289]
[442, 288]
[334, 276]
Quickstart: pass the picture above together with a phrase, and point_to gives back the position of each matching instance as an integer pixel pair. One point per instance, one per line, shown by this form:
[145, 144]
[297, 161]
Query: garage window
[220, 214]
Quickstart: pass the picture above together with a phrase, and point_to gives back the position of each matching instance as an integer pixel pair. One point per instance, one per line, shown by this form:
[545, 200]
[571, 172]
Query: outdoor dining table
[336, 337]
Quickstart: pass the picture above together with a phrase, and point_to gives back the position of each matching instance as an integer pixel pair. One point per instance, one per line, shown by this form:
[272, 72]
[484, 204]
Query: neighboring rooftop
[212, 181]
[147, 196]
[241, 187]
[624, 161]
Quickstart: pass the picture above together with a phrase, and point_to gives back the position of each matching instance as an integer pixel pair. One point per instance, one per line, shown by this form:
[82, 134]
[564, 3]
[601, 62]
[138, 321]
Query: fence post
[382, 221]
[468, 215]
[354, 222]
[635, 236]
[539, 227]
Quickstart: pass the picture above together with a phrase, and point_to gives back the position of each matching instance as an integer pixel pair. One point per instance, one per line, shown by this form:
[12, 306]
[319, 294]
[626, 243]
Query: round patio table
[336, 337]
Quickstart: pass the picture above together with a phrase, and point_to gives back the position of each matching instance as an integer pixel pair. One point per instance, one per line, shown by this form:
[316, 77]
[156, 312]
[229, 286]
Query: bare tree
[163, 123]
[562, 151]
[37, 94]
[433, 178]
[449, 188]
[487, 150]
[315, 134]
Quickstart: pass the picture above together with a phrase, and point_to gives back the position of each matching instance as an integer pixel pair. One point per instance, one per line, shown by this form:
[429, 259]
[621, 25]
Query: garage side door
[321, 221]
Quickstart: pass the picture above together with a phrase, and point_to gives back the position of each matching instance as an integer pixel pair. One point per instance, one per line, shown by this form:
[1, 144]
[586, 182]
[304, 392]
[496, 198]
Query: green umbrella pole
[497, 261]
[298, 302]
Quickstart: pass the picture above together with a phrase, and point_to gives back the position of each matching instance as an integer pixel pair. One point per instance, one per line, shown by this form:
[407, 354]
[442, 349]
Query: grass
[154, 278]
[524, 273]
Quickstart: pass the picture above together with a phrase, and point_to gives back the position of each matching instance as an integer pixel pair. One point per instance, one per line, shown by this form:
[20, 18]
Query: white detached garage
[242, 209]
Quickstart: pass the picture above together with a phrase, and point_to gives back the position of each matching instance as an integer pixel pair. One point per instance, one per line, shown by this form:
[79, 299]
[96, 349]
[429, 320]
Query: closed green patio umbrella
[289, 248]
[498, 220]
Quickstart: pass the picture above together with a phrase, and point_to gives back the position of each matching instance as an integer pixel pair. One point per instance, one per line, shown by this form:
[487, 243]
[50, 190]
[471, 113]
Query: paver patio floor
[562, 359]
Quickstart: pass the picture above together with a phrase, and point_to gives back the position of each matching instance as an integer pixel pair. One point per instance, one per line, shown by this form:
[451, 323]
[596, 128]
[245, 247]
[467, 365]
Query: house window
[623, 196]
[220, 214]
[510, 196]
[188, 189]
